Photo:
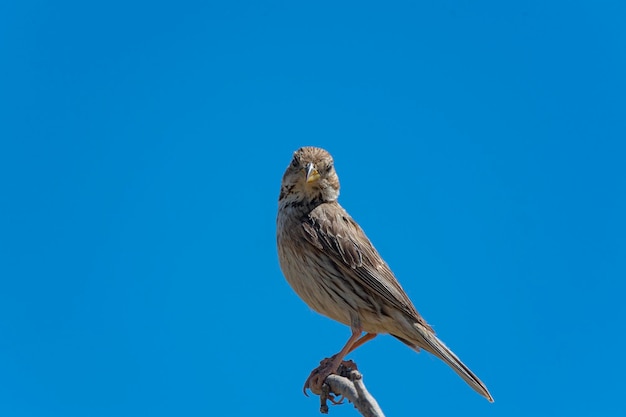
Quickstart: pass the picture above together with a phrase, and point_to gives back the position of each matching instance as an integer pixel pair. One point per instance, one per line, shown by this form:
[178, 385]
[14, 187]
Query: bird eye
[294, 163]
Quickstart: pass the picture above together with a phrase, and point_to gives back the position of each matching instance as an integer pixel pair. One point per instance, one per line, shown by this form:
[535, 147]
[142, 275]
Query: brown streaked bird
[332, 265]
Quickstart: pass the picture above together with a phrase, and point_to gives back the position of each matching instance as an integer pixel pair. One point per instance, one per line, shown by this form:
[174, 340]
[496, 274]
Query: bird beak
[311, 173]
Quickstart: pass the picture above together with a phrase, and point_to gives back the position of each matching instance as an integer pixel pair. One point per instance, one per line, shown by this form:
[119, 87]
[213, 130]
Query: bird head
[310, 177]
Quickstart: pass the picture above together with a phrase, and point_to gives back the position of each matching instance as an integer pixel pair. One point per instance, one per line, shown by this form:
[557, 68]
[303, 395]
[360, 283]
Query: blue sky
[479, 144]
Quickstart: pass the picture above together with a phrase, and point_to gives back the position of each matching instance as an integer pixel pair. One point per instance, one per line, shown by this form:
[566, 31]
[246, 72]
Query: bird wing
[331, 230]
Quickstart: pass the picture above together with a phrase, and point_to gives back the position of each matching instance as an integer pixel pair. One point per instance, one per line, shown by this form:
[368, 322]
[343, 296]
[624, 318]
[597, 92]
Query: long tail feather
[435, 346]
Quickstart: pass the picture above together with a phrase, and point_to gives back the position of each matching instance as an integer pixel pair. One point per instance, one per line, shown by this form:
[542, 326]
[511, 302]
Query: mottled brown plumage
[332, 265]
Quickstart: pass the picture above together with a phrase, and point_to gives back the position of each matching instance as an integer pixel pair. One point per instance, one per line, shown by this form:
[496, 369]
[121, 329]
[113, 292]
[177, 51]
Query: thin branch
[347, 383]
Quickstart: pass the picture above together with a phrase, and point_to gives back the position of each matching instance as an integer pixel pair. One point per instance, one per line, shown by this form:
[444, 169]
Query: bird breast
[310, 273]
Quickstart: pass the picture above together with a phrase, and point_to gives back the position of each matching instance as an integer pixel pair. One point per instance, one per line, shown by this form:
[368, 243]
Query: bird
[331, 264]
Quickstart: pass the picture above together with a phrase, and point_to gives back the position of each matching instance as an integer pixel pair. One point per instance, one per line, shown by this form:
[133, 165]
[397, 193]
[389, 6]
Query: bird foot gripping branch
[318, 376]
[346, 383]
[347, 370]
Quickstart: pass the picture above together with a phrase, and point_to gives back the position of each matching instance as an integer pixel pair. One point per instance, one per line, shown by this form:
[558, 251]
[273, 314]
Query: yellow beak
[311, 173]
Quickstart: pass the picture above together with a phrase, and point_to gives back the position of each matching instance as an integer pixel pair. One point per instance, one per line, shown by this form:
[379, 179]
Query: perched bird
[332, 265]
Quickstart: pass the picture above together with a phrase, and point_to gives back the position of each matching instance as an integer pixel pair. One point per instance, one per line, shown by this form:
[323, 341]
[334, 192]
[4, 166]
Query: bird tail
[435, 346]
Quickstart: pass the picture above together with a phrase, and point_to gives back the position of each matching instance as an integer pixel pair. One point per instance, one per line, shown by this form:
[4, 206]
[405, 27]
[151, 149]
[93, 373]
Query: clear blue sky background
[481, 145]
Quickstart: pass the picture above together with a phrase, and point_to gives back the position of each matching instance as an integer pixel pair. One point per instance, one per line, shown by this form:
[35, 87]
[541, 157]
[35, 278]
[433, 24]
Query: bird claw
[336, 400]
[318, 375]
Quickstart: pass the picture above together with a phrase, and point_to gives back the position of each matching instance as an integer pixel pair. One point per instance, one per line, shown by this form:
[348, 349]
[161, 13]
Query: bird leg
[329, 365]
[365, 338]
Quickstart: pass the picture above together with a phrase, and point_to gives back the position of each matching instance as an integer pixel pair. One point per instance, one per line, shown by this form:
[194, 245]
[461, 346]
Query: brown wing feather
[331, 229]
